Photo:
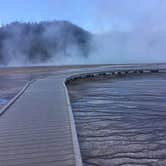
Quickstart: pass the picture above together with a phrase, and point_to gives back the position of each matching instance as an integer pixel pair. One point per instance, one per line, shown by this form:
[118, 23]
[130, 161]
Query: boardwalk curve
[37, 127]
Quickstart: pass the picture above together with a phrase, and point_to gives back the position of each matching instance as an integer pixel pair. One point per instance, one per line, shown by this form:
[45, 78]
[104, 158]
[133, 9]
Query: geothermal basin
[121, 121]
[119, 116]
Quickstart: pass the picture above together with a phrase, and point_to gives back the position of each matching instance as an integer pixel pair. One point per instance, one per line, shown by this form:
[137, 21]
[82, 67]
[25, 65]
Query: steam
[129, 31]
[45, 43]
[129, 47]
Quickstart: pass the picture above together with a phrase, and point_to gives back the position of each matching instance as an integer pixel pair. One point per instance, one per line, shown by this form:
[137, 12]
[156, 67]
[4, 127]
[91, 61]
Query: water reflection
[3, 101]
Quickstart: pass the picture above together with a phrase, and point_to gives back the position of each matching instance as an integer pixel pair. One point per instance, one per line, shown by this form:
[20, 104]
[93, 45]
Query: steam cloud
[129, 31]
[45, 43]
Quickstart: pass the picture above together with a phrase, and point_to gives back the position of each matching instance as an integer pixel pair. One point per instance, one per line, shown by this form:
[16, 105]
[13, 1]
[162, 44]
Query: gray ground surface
[13, 79]
[121, 122]
[11, 84]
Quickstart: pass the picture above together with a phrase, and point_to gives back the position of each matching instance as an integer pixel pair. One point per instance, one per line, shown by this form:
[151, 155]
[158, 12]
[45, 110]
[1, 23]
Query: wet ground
[11, 84]
[121, 121]
[13, 79]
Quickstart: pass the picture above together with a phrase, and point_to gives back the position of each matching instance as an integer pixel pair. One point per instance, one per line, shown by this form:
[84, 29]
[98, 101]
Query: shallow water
[3, 101]
[121, 121]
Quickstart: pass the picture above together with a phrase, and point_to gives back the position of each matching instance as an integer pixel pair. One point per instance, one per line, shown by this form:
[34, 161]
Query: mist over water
[129, 31]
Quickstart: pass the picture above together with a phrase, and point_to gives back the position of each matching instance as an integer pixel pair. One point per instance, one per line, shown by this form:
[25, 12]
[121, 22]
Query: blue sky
[93, 15]
[76, 11]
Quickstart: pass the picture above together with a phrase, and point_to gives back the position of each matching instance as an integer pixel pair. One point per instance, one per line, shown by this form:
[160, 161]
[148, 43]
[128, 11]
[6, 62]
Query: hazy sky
[94, 15]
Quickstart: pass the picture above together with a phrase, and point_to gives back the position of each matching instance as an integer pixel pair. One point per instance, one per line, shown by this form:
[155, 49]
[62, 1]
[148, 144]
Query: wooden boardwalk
[37, 128]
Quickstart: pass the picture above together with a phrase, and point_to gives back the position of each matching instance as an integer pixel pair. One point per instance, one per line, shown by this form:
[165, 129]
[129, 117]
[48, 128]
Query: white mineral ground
[121, 121]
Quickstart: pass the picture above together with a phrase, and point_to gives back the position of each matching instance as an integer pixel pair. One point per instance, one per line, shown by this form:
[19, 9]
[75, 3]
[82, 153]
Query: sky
[128, 29]
[76, 11]
[93, 15]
